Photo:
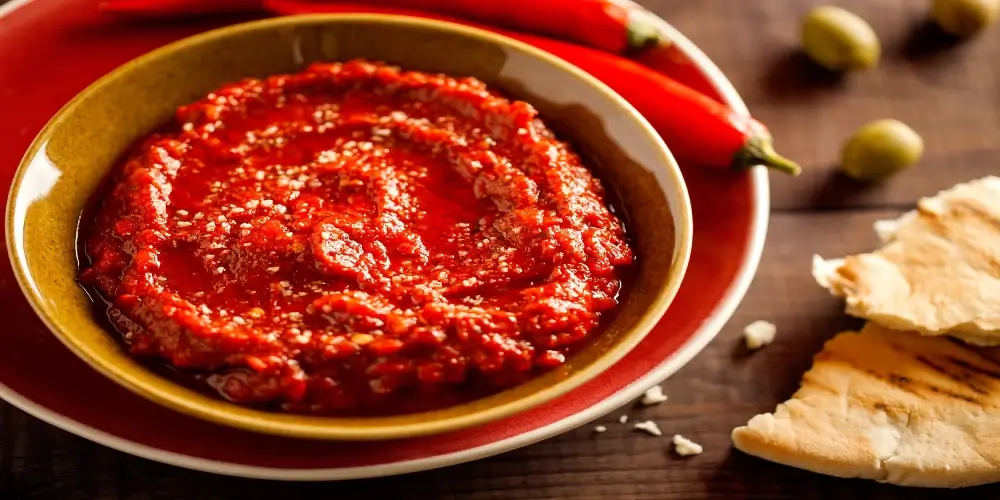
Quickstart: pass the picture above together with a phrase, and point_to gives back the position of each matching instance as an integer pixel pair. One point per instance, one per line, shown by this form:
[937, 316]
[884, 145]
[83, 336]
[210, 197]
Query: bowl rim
[293, 425]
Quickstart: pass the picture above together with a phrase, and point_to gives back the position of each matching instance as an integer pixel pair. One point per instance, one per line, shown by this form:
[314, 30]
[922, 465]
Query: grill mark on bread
[955, 395]
[980, 370]
[906, 383]
[913, 386]
[966, 212]
[966, 379]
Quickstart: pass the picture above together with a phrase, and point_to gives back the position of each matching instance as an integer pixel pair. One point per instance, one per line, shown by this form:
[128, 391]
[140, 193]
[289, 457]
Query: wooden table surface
[950, 93]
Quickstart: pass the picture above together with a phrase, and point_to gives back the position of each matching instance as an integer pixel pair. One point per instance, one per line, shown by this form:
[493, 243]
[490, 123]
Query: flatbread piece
[890, 406]
[938, 272]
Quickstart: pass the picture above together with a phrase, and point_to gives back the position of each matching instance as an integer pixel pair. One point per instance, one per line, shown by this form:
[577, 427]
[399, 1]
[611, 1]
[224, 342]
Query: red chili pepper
[695, 127]
[175, 8]
[670, 60]
[602, 24]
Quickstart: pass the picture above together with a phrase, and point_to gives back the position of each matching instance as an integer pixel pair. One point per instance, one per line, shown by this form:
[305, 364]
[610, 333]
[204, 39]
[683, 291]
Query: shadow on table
[743, 476]
[926, 40]
[837, 190]
[794, 77]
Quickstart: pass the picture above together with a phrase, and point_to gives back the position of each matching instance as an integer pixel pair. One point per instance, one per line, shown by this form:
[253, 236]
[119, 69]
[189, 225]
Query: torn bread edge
[829, 273]
[888, 406]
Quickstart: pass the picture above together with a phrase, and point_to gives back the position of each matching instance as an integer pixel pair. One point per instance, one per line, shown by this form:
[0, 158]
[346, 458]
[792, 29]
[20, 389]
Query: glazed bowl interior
[83, 142]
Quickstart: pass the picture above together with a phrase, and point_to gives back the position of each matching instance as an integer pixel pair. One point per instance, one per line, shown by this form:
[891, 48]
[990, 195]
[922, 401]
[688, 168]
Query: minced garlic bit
[685, 447]
[622, 419]
[650, 427]
[759, 334]
[653, 396]
[600, 428]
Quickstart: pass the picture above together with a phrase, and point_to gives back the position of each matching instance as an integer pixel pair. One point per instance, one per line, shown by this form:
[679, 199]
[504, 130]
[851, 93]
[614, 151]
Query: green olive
[881, 149]
[965, 17]
[839, 40]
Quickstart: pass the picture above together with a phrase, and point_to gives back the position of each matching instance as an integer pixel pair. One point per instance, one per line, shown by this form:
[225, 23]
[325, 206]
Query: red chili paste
[355, 239]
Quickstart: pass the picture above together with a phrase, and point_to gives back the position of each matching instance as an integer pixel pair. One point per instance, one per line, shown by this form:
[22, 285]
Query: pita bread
[890, 406]
[939, 271]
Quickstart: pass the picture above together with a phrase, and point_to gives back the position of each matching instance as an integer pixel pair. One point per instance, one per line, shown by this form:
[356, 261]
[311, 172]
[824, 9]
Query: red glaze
[343, 239]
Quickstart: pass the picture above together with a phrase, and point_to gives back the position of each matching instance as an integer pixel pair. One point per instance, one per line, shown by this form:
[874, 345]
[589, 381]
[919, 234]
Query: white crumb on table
[600, 428]
[622, 419]
[759, 334]
[685, 447]
[653, 396]
[650, 427]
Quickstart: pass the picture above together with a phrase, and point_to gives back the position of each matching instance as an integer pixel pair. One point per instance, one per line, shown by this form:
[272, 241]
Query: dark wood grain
[948, 92]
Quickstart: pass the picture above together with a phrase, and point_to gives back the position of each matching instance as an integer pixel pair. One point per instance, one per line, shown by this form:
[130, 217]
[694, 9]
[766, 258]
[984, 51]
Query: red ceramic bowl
[78, 46]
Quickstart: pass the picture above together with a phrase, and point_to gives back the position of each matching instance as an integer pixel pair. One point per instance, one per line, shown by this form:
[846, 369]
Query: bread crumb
[653, 396]
[685, 447]
[824, 271]
[650, 427]
[622, 419]
[759, 334]
[600, 428]
[886, 229]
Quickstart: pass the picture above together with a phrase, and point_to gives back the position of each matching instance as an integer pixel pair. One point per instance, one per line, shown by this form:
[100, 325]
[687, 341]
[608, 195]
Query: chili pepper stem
[642, 35]
[759, 150]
